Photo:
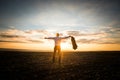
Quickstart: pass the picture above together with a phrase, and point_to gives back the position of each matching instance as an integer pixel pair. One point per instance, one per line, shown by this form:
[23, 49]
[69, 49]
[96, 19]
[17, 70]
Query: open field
[22, 65]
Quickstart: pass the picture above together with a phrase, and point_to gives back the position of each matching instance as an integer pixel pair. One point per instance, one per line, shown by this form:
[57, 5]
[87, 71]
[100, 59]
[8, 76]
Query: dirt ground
[21, 65]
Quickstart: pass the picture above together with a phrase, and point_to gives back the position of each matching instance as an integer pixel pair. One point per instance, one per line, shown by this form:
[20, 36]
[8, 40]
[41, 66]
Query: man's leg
[54, 54]
[60, 54]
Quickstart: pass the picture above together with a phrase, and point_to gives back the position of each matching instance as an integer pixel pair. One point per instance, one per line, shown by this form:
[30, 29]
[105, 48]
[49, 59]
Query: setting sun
[65, 46]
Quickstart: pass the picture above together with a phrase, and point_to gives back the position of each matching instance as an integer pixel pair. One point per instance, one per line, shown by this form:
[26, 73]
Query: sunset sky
[95, 24]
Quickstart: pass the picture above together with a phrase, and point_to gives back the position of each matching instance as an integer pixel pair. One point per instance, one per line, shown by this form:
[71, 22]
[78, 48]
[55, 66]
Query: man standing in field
[57, 46]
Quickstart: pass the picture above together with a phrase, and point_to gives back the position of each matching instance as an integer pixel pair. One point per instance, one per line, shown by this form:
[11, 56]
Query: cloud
[98, 41]
[12, 41]
[40, 32]
[36, 41]
[20, 36]
[112, 29]
[101, 37]
[10, 36]
[85, 41]
[37, 36]
[73, 33]
[78, 33]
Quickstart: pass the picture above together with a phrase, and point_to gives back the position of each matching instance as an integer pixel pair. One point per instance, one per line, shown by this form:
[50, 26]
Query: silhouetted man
[57, 46]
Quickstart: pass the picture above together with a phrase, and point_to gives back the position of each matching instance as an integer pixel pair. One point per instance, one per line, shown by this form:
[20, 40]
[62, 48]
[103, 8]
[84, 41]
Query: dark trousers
[57, 49]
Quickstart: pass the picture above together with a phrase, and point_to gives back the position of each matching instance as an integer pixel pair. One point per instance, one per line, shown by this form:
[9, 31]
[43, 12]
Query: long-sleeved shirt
[57, 40]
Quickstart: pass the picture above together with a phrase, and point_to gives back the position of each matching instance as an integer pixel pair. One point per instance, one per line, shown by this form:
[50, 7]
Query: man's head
[57, 34]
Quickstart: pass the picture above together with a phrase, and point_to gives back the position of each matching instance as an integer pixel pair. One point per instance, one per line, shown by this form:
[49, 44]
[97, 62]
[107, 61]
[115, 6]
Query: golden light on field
[64, 46]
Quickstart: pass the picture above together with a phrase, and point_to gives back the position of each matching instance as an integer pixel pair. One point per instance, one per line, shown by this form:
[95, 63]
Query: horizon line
[28, 50]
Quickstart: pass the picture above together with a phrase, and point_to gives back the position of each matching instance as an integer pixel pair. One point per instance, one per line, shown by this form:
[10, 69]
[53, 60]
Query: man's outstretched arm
[66, 37]
[49, 38]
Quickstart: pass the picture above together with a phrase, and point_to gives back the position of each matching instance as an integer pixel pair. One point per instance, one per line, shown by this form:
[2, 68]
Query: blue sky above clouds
[99, 19]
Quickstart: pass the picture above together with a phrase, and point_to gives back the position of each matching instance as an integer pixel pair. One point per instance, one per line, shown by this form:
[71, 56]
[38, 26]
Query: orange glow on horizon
[64, 46]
